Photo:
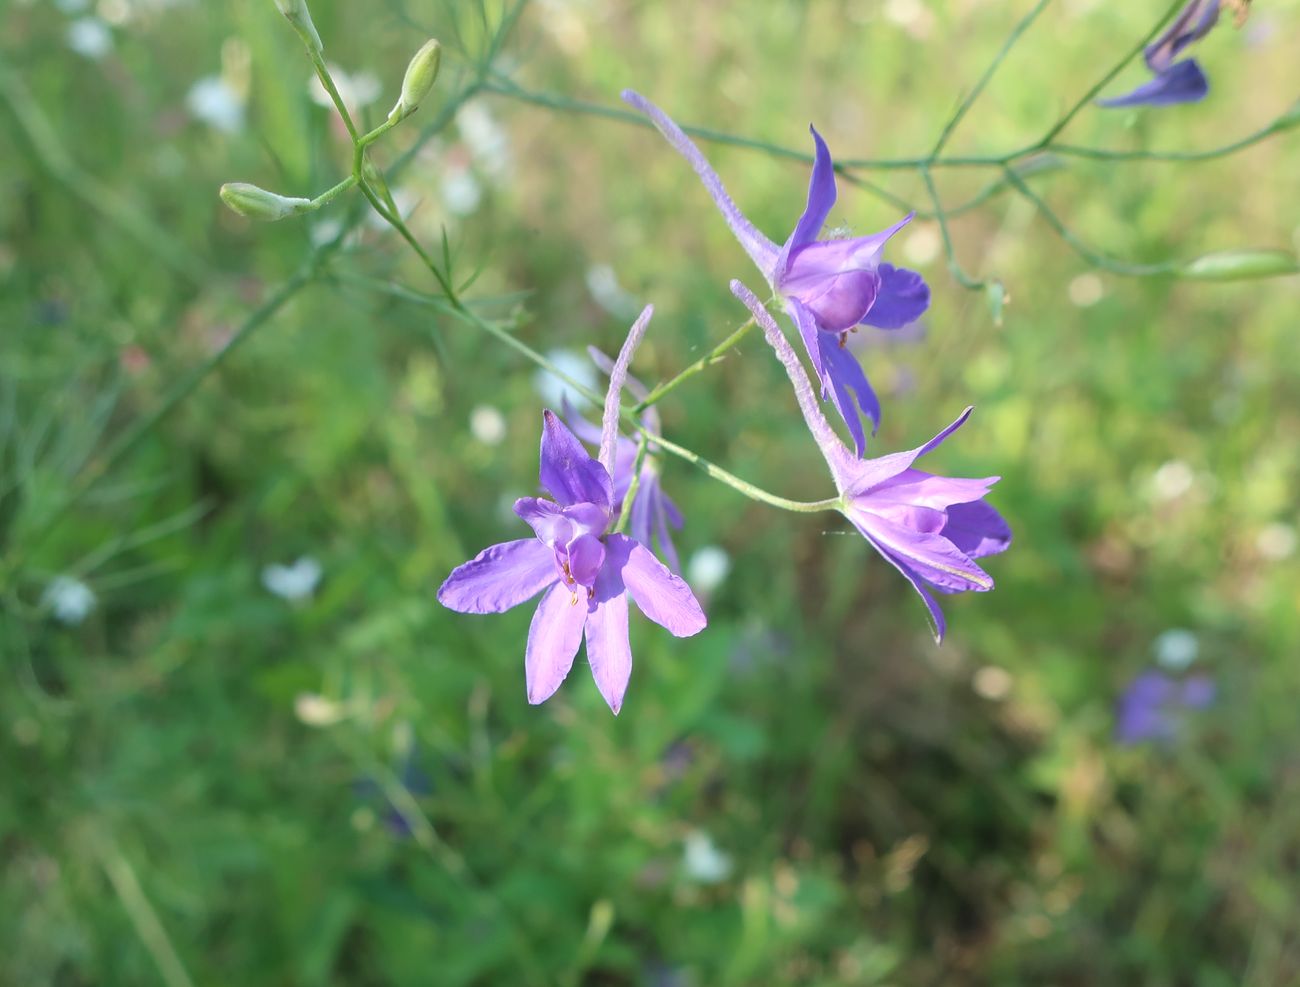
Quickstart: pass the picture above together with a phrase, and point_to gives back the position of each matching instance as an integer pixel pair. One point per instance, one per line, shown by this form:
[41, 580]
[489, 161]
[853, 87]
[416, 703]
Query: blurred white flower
[707, 568]
[486, 139]
[70, 599]
[212, 100]
[357, 91]
[293, 582]
[552, 390]
[90, 36]
[603, 284]
[1276, 541]
[993, 683]
[923, 244]
[315, 710]
[487, 424]
[1176, 648]
[461, 192]
[1086, 290]
[703, 861]
[1172, 480]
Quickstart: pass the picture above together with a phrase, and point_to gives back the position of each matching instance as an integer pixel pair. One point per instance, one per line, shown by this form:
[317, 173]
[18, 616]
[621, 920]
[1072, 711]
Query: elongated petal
[850, 384]
[821, 197]
[608, 648]
[571, 475]
[1192, 23]
[1183, 82]
[913, 486]
[903, 298]
[806, 323]
[499, 577]
[546, 519]
[641, 522]
[761, 250]
[661, 596]
[931, 556]
[662, 520]
[613, 396]
[938, 624]
[553, 639]
[634, 385]
[977, 529]
[871, 472]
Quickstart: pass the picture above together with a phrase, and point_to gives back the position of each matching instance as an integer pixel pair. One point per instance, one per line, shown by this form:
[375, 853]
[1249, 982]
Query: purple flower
[828, 287]
[930, 528]
[1174, 82]
[1154, 706]
[586, 571]
[653, 512]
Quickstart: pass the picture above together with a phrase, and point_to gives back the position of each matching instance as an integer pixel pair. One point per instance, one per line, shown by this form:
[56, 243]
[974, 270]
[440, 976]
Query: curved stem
[703, 363]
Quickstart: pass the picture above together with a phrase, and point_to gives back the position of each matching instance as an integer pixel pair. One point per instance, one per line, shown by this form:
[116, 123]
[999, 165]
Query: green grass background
[893, 812]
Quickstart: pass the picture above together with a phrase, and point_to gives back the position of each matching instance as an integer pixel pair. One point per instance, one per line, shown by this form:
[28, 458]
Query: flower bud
[297, 14]
[1240, 265]
[419, 78]
[995, 294]
[258, 203]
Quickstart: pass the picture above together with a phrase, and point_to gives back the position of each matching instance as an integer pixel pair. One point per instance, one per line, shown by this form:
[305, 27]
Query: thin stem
[625, 515]
[330, 194]
[1104, 81]
[974, 94]
[1094, 257]
[1287, 121]
[144, 919]
[326, 80]
[703, 363]
[965, 280]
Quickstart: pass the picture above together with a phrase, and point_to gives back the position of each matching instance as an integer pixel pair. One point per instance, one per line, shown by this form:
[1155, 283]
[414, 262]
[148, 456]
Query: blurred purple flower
[575, 558]
[653, 512]
[930, 528]
[828, 287]
[1174, 82]
[1154, 706]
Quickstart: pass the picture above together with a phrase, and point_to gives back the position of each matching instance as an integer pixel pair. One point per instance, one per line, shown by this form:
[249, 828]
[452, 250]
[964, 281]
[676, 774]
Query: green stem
[965, 280]
[704, 362]
[975, 92]
[326, 80]
[329, 195]
[1104, 81]
[1094, 257]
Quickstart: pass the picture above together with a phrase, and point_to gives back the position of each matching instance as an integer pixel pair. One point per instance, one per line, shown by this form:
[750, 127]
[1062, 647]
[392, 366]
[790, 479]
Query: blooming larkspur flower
[586, 571]
[653, 514]
[930, 528]
[828, 287]
[1174, 82]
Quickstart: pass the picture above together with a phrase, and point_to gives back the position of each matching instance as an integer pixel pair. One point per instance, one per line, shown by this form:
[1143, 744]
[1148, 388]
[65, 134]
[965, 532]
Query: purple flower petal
[609, 423]
[913, 486]
[931, 556]
[1192, 23]
[977, 529]
[661, 596]
[662, 519]
[821, 198]
[553, 639]
[904, 296]
[873, 472]
[499, 577]
[937, 622]
[580, 427]
[804, 321]
[761, 250]
[586, 556]
[608, 648]
[1183, 82]
[849, 383]
[571, 475]
[837, 280]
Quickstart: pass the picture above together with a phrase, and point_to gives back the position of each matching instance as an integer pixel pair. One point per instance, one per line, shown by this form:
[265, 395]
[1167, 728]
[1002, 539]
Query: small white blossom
[293, 582]
[486, 139]
[553, 390]
[487, 424]
[1176, 648]
[703, 861]
[70, 599]
[707, 568]
[357, 91]
[90, 36]
[1276, 541]
[603, 284]
[461, 192]
[212, 100]
[1172, 480]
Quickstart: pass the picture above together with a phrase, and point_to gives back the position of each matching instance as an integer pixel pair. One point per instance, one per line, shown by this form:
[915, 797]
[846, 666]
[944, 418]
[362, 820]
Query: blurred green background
[217, 768]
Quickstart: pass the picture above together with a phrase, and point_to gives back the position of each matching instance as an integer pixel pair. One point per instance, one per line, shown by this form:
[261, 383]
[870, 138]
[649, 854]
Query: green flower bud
[258, 203]
[297, 14]
[419, 79]
[995, 293]
[1240, 265]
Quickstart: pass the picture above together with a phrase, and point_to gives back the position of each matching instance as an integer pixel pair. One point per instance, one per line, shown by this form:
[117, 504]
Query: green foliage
[182, 799]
